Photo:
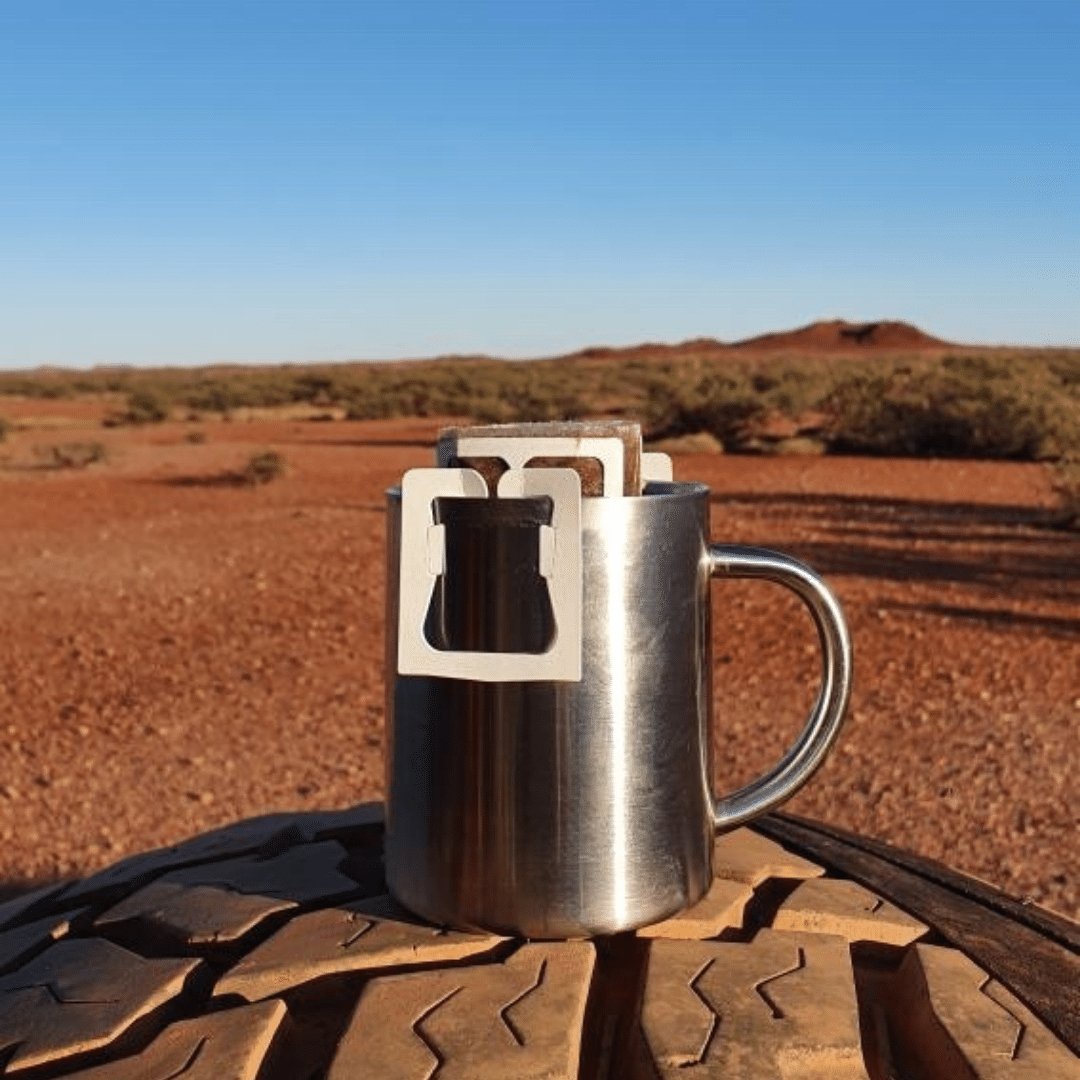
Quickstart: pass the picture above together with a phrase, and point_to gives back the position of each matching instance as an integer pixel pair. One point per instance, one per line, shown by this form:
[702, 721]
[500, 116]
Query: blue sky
[187, 182]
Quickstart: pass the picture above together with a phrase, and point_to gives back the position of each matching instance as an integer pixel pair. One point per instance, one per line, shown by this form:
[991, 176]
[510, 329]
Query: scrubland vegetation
[1022, 405]
[1067, 486]
[262, 468]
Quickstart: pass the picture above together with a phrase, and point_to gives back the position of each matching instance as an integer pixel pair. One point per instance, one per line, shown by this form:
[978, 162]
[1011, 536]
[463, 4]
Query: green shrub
[791, 388]
[1066, 484]
[262, 468]
[722, 403]
[951, 410]
[146, 407]
[239, 390]
[490, 392]
[143, 407]
[210, 396]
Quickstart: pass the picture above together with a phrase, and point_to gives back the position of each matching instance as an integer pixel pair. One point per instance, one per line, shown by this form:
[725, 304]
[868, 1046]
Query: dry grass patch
[262, 468]
[71, 455]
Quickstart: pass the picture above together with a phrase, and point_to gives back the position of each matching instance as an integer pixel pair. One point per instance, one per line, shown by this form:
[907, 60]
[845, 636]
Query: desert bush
[222, 392]
[1066, 485]
[949, 410]
[262, 468]
[490, 392]
[146, 407]
[222, 396]
[71, 455]
[196, 438]
[4, 428]
[790, 388]
[722, 403]
[210, 396]
[40, 386]
[322, 388]
[527, 396]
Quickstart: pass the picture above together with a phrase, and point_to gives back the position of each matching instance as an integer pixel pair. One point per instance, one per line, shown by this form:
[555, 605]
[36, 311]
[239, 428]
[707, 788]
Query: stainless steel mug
[548, 764]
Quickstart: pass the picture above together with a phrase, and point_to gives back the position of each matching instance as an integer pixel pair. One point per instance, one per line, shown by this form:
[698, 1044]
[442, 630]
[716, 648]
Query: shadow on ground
[909, 540]
[997, 619]
[215, 480]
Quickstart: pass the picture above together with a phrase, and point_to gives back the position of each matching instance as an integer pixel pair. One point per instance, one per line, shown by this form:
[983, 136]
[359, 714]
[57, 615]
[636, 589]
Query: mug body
[561, 809]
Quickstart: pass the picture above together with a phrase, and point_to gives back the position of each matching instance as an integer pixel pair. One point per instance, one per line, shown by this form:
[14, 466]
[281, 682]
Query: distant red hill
[652, 350]
[838, 335]
[832, 336]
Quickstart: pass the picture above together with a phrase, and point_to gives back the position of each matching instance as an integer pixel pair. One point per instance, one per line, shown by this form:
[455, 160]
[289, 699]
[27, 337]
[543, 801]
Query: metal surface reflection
[563, 808]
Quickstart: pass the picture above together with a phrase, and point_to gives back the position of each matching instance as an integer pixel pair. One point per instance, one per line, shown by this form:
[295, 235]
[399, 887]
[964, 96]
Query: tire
[268, 951]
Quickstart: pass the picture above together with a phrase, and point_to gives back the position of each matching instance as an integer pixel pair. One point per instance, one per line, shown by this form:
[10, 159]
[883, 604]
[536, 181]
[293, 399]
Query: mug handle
[803, 758]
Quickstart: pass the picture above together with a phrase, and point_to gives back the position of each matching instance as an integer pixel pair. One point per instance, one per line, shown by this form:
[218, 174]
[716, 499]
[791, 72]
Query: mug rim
[654, 489]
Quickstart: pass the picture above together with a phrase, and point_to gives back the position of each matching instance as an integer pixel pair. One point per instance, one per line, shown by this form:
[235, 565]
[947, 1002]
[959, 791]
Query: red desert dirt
[180, 651]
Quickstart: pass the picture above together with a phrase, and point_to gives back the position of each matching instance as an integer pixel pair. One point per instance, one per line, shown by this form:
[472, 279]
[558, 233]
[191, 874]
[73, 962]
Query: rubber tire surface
[268, 951]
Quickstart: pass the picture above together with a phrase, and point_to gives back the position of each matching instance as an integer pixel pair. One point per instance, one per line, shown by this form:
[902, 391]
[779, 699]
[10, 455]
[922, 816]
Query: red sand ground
[176, 653]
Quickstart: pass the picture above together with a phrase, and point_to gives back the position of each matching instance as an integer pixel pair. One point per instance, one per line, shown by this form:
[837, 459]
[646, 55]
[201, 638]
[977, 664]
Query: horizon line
[758, 340]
